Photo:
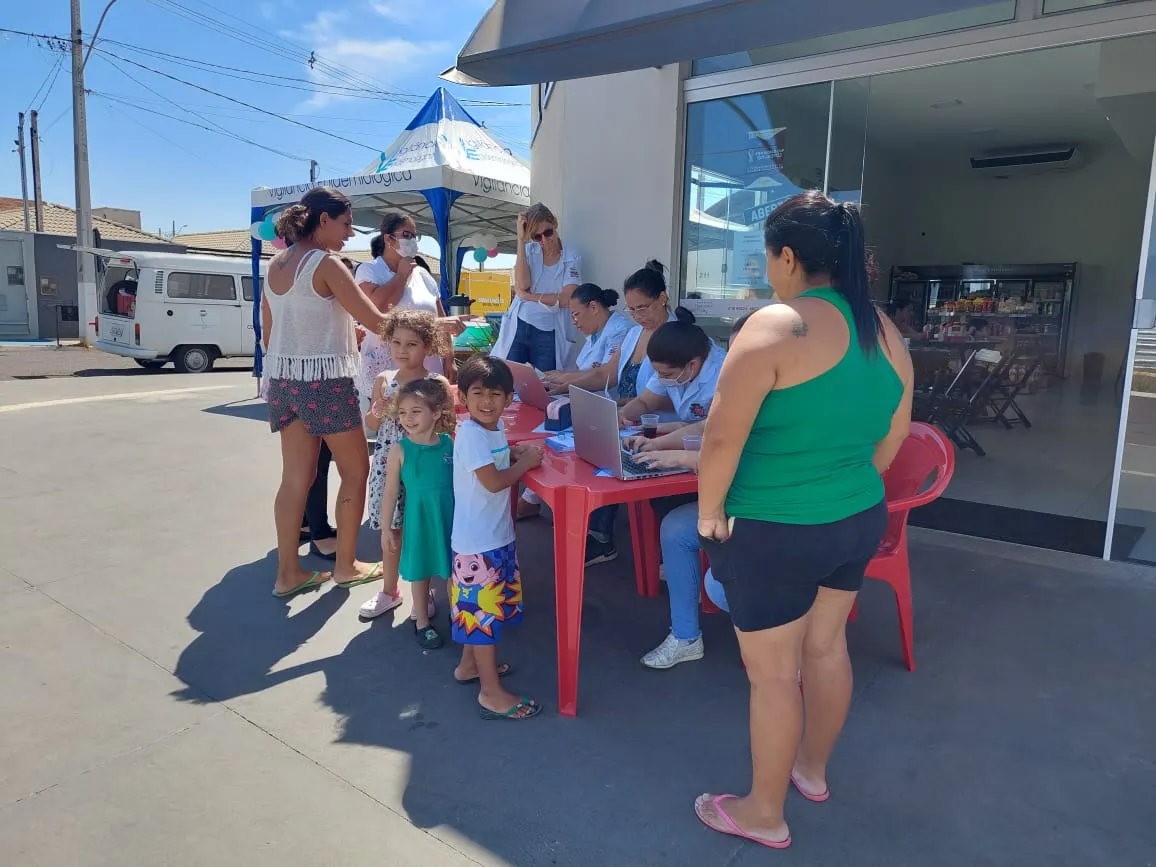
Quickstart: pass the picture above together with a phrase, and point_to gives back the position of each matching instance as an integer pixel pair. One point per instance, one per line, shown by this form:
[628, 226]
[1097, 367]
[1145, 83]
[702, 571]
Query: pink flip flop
[817, 799]
[732, 829]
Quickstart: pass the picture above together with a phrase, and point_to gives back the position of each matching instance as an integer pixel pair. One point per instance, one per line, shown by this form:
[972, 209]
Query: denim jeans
[602, 523]
[533, 346]
[680, 559]
[317, 501]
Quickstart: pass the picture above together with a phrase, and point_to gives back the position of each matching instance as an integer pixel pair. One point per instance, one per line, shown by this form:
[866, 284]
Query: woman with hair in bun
[592, 312]
[308, 308]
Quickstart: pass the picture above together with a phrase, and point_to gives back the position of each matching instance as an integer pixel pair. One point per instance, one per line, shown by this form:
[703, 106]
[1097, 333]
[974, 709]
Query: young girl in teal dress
[423, 462]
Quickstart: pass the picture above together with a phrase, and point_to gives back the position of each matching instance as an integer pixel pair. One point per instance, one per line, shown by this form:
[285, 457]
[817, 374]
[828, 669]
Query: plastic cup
[649, 422]
[692, 443]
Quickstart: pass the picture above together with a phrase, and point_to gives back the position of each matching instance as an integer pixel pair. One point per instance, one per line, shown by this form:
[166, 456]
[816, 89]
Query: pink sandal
[731, 828]
[817, 799]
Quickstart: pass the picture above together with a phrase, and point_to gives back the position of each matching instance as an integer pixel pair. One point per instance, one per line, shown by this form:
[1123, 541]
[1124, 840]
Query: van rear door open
[117, 294]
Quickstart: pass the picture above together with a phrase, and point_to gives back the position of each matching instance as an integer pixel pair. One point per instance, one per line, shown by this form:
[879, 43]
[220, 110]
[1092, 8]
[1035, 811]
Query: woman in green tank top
[812, 405]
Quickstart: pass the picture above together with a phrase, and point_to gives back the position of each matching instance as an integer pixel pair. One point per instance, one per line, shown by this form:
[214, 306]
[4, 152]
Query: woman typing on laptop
[686, 366]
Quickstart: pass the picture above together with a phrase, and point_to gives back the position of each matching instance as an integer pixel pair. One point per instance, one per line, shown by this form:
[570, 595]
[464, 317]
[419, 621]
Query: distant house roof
[59, 220]
[234, 241]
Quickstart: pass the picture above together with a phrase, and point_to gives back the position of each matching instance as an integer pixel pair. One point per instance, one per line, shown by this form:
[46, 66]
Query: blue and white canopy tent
[449, 173]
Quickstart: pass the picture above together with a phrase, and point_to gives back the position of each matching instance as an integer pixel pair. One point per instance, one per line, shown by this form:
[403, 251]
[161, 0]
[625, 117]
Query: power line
[245, 104]
[313, 85]
[137, 121]
[372, 91]
[260, 40]
[223, 130]
[48, 82]
[150, 112]
[51, 84]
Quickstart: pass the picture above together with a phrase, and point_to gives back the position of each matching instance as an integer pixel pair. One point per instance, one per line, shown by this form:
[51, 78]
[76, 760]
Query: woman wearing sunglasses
[537, 328]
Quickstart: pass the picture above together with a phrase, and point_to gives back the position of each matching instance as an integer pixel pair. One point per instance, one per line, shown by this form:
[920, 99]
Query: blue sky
[170, 170]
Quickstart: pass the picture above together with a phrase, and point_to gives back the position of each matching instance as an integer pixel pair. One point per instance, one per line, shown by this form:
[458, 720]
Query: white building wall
[605, 159]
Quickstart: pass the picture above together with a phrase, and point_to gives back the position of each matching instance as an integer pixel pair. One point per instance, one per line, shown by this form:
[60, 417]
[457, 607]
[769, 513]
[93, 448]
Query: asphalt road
[160, 708]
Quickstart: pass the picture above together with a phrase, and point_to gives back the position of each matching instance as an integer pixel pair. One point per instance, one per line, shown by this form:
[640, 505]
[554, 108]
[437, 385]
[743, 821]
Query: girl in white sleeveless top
[308, 305]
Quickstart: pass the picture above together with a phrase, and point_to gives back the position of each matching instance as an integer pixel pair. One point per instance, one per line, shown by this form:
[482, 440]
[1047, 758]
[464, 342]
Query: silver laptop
[528, 386]
[597, 440]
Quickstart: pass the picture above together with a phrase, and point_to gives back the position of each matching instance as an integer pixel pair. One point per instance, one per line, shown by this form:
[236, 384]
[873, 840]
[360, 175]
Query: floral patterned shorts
[326, 407]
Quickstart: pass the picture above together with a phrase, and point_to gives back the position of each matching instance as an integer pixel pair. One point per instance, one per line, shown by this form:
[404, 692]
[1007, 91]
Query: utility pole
[313, 171]
[23, 170]
[37, 198]
[85, 266]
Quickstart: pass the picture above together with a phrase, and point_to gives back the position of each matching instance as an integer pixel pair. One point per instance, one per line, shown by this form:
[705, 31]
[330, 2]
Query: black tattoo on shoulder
[799, 327]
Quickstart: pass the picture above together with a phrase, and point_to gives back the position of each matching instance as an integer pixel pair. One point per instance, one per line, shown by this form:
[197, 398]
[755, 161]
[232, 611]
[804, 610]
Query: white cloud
[389, 10]
[338, 38]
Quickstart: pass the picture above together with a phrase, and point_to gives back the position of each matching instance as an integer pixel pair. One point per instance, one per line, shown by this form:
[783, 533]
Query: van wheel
[193, 359]
[151, 363]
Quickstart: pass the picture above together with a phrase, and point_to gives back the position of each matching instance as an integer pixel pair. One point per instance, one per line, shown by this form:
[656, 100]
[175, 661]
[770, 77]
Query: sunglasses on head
[548, 232]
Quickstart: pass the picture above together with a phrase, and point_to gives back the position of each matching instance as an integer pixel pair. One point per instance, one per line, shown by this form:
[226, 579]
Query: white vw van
[187, 309]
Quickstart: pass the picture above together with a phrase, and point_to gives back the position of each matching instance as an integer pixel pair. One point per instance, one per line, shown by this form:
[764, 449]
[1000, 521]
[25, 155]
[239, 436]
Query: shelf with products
[969, 303]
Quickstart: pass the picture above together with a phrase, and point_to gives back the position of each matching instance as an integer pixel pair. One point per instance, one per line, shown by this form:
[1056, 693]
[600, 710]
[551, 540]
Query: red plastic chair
[926, 451]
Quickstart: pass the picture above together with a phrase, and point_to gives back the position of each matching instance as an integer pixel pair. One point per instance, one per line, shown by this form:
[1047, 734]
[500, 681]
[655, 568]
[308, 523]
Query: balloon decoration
[279, 244]
[264, 230]
[483, 247]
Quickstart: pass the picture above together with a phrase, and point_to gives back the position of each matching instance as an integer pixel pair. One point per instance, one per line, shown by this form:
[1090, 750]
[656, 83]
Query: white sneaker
[672, 651]
[379, 604]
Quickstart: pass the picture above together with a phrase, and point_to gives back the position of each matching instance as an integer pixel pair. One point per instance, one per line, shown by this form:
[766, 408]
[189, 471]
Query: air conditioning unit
[1028, 161]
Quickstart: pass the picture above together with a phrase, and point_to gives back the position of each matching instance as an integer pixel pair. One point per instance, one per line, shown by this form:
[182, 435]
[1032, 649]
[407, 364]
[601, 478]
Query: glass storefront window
[745, 155]
[1013, 284]
[976, 16]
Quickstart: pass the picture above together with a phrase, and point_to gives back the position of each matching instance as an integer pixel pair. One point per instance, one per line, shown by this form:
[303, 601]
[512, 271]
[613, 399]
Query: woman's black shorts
[772, 572]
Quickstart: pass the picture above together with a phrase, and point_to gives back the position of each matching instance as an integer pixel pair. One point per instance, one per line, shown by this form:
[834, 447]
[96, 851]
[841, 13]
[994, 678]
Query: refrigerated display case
[992, 303]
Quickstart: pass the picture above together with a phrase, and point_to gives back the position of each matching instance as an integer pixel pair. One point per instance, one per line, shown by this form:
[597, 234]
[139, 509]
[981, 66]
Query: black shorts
[772, 572]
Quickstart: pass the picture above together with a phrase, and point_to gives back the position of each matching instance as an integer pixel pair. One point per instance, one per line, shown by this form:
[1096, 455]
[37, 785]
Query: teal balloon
[480, 255]
[267, 232]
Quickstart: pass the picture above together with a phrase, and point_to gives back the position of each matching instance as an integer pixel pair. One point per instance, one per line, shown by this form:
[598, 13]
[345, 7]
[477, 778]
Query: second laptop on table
[598, 441]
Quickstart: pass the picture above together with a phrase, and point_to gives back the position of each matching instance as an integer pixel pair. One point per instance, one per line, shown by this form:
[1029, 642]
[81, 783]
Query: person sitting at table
[592, 312]
[686, 369]
[678, 536]
[591, 309]
[686, 366]
[627, 368]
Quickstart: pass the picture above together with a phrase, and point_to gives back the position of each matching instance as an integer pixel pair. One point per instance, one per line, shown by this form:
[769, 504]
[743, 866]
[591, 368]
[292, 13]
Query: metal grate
[159, 283]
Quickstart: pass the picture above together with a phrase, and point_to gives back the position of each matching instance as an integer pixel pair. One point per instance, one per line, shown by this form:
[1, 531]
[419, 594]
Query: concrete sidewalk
[160, 708]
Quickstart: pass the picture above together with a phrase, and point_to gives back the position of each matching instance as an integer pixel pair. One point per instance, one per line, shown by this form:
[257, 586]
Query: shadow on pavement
[252, 409]
[244, 632]
[1004, 704]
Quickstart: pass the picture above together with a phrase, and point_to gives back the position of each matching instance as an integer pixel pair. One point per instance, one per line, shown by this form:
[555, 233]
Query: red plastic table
[567, 484]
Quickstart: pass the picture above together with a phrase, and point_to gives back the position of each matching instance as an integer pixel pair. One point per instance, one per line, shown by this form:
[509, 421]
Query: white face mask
[407, 247]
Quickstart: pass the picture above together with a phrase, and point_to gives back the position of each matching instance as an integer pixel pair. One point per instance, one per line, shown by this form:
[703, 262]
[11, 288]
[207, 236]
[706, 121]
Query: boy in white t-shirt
[486, 588]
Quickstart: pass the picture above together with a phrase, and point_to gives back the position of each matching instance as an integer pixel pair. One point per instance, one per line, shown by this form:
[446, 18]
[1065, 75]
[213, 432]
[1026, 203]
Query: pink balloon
[492, 253]
[279, 243]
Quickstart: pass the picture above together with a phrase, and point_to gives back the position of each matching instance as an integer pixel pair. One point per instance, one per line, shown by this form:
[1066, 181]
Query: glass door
[1132, 516]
